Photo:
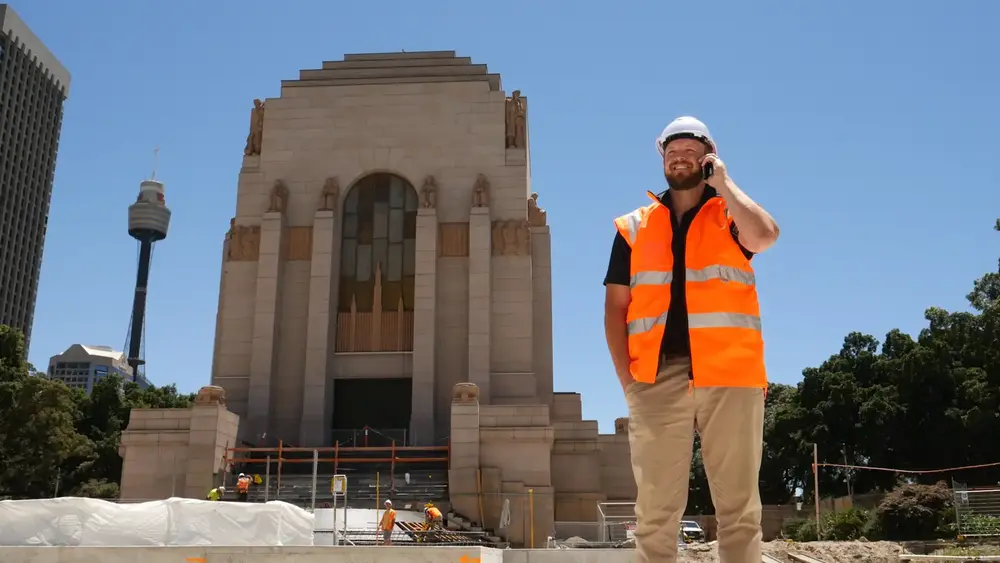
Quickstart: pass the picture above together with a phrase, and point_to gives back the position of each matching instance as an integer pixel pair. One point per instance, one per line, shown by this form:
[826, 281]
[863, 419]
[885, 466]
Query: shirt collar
[708, 194]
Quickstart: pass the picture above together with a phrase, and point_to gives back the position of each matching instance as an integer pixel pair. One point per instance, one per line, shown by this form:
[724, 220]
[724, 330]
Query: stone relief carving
[279, 198]
[256, 137]
[453, 241]
[243, 242]
[511, 238]
[330, 195]
[536, 215]
[210, 395]
[515, 120]
[428, 194]
[299, 241]
[481, 192]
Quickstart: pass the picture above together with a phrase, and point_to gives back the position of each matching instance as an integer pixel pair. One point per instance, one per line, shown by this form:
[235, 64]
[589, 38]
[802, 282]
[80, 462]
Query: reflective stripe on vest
[723, 319]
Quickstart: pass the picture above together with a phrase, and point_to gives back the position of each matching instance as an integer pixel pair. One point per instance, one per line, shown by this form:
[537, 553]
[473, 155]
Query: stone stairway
[457, 522]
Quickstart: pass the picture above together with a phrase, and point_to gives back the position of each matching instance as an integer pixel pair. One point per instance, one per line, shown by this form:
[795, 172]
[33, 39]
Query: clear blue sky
[868, 129]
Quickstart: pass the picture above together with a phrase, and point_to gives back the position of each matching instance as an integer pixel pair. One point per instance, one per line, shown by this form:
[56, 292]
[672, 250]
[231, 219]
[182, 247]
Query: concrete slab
[249, 555]
[314, 554]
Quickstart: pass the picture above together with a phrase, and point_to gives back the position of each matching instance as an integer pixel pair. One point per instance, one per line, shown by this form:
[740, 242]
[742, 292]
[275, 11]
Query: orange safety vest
[727, 347]
[243, 485]
[388, 519]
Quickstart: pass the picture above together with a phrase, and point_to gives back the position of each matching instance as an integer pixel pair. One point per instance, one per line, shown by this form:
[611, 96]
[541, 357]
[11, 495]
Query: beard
[683, 180]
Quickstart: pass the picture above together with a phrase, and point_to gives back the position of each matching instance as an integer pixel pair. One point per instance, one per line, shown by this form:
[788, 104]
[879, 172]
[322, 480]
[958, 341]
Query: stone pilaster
[480, 260]
[463, 471]
[541, 279]
[424, 301]
[263, 358]
[313, 428]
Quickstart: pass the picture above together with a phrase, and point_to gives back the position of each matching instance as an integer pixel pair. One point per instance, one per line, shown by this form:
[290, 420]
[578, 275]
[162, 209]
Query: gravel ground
[827, 552]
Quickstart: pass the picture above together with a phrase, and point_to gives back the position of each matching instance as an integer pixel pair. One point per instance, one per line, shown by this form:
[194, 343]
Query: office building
[33, 88]
[81, 366]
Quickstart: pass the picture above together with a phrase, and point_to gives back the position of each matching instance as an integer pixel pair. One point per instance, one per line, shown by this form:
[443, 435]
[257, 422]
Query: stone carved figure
[331, 195]
[511, 238]
[536, 215]
[621, 425]
[279, 198]
[465, 393]
[249, 242]
[210, 395]
[256, 137]
[481, 192]
[243, 242]
[497, 238]
[515, 120]
[428, 194]
[523, 231]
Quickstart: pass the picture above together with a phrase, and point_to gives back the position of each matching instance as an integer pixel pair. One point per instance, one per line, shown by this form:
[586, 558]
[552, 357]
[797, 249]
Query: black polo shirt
[676, 340]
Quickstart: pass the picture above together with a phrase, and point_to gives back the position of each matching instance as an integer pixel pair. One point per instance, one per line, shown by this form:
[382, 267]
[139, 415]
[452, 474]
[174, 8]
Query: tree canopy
[55, 440]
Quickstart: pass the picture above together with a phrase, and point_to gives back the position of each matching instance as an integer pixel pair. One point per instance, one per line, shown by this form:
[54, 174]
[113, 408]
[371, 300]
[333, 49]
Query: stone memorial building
[386, 246]
[389, 267]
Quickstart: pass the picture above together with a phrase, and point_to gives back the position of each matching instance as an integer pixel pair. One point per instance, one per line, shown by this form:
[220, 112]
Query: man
[243, 487]
[683, 327]
[432, 517]
[387, 522]
[216, 494]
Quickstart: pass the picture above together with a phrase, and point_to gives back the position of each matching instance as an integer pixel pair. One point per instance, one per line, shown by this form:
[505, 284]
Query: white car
[691, 532]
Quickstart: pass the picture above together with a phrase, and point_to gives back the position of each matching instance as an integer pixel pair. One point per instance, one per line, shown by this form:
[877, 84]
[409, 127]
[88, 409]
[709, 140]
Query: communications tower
[148, 219]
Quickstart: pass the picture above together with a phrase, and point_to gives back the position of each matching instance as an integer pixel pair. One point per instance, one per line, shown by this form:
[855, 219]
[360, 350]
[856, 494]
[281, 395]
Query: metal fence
[367, 437]
[616, 521]
[977, 512]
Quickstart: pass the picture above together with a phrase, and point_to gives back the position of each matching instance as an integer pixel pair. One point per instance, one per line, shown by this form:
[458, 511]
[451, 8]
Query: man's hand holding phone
[713, 171]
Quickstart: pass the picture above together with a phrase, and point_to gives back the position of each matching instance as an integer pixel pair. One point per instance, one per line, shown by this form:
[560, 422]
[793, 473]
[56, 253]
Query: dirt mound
[825, 551]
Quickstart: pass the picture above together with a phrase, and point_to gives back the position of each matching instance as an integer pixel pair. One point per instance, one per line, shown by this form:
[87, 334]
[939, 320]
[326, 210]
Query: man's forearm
[617, 337]
[758, 230]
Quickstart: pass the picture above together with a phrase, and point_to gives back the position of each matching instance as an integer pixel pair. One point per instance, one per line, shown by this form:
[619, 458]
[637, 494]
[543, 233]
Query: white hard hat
[243, 474]
[685, 127]
[389, 502]
[222, 489]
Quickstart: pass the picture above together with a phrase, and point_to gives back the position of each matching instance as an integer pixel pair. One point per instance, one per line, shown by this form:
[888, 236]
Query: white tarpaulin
[90, 522]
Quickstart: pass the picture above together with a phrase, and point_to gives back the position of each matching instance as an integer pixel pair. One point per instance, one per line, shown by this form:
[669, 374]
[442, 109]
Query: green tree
[106, 414]
[53, 437]
[39, 444]
[908, 403]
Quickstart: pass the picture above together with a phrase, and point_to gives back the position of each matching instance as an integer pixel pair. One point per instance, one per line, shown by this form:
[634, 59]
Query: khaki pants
[662, 420]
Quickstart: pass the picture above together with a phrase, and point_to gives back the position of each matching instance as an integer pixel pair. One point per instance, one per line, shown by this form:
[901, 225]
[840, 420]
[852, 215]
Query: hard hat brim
[662, 140]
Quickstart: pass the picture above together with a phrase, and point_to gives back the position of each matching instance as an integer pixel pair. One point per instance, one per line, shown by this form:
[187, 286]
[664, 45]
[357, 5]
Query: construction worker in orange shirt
[387, 522]
[432, 517]
[243, 487]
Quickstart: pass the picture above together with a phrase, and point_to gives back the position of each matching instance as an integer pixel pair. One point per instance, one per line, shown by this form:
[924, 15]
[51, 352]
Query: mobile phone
[707, 170]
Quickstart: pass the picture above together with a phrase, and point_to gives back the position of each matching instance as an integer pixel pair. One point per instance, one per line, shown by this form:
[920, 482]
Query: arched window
[378, 254]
